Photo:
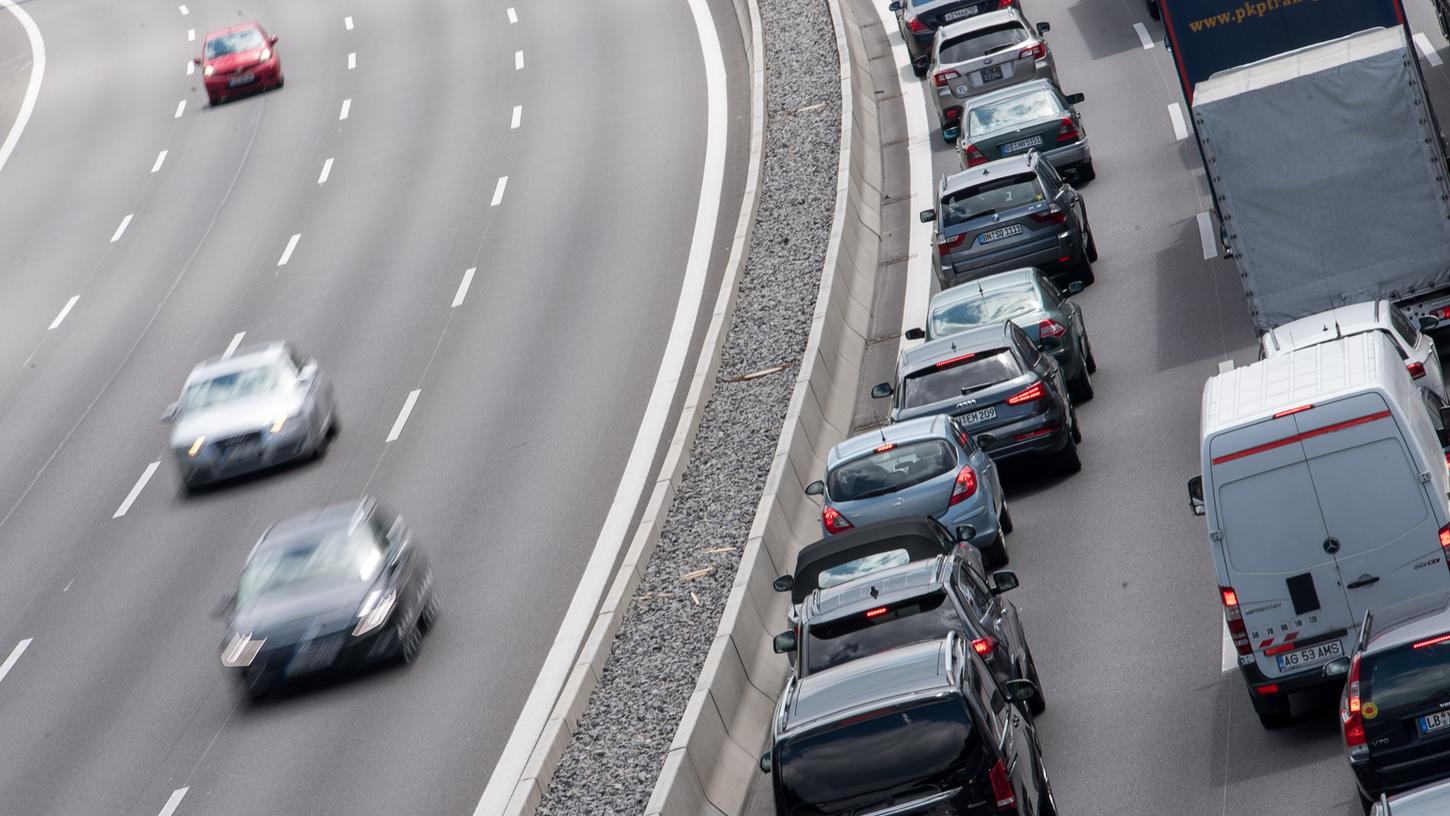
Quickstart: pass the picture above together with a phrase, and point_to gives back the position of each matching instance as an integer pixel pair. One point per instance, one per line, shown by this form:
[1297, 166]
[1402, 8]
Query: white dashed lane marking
[174, 802]
[287, 253]
[403, 415]
[232, 346]
[518, 60]
[191, 35]
[1180, 128]
[64, 310]
[463, 286]
[190, 67]
[346, 109]
[160, 157]
[518, 117]
[1143, 37]
[347, 23]
[513, 15]
[14, 657]
[498, 191]
[1206, 236]
[326, 171]
[121, 230]
[180, 109]
[1427, 50]
[351, 60]
[183, 9]
[136, 489]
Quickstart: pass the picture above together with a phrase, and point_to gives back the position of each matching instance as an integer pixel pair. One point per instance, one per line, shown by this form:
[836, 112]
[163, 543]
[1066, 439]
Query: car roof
[895, 674]
[229, 29]
[1020, 163]
[1409, 621]
[324, 518]
[242, 359]
[975, 339]
[973, 289]
[1431, 799]
[1328, 325]
[980, 21]
[887, 586]
[897, 433]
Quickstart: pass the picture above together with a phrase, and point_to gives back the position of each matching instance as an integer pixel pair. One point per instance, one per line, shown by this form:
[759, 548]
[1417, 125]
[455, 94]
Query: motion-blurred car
[1025, 297]
[238, 60]
[1416, 347]
[262, 406]
[337, 588]
[929, 467]
[981, 54]
[918, 20]
[1035, 115]
[1011, 399]
[1008, 214]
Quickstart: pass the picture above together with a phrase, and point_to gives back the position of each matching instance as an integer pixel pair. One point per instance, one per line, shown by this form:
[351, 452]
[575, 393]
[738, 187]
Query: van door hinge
[1215, 535]
[1425, 477]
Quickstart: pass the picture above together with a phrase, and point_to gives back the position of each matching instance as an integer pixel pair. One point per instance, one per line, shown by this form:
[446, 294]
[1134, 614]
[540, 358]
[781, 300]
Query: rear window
[900, 752]
[1010, 113]
[1408, 676]
[896, 468]
[983, 42]
[990, 197]
[981, 371]
[851, 570]
[930, 617]
[991, 306]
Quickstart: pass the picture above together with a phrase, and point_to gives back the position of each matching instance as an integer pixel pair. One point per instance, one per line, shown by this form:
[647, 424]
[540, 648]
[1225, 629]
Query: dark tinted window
[974, 589]
[1025, 346]
[1050, 178]
[886, 471]
[900, 752]
[930, 617]
[983, 42]
[1408, 677]
[995, 196]
[244, 40]
[1404, 328]
[980, 371]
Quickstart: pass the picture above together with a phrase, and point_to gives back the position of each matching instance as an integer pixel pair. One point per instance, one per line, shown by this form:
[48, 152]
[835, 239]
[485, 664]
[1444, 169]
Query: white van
[1324, 488]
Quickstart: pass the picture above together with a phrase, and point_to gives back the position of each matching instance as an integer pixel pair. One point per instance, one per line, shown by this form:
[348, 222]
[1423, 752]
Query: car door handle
[1363, 581]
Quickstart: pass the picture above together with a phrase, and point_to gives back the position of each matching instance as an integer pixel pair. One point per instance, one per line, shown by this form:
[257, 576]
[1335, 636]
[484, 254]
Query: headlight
[241, 651]
[278, 423]
[196, 446]
[374, 611]
[208, 71]
[265, 55]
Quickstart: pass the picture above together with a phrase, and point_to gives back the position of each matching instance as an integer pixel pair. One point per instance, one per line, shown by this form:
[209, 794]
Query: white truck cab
[1325, 492]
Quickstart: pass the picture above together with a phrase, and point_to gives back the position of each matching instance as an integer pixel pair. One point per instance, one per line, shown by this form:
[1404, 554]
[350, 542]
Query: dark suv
[920, 729]
[1007, 395]
[925, 600]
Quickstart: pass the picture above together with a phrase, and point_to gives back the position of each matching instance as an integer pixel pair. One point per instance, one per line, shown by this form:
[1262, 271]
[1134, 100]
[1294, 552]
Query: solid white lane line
[1206, 236]
[64, 310]
[1180, 128]
[513, 15]
[498, 191]
[351, 60]
[121, 230]
[160, 157]
[174, 802]
[32, 88]
[1423, 43]
[232, 346]
[1143, 37]
[346, 108]
[518, 117]
[518, 60]
[191, 35]
[180, 108]
[136, 489]
[463, 286]
[347, 23]
[326, 171]
[291, 245]
[190, 67]
[14, 656]
[403, 415]
[1228, 656]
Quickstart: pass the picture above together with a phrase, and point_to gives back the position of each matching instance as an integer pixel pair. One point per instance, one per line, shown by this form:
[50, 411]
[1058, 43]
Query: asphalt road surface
[142, 231]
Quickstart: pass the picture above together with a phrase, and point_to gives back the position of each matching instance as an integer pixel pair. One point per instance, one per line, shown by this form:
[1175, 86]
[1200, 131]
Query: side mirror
[308, 372]
[196, 60]
[765, 762]
[1020, 691]
[784, 583]
[816, 488]
[1074, 288]
[1195, 495]
[882, 390]
[927, 216]
[272, 39]
[1076, 98]
[169, 415]
[784, 642]
[1429, 323]
[914, 333]
[966, 532]
[225, 606]
[1049, 344]
[1004, 581]
[1043, 28]
[895, 6]
[1337, 667]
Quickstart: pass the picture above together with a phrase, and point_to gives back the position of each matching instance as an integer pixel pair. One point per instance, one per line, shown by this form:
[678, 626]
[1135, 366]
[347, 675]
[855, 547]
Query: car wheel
[995, 554]
[1275, 719]
[256, 687]
[1090, 247]
[1086, 172]
[1038, 703]
[1365, 802]
[334, 425]
[430, 613]
[1076, 428]
[1092, 362]
[281, 80]
[409, 642]
[319, 449]
[1004, 520]
[1080, 388]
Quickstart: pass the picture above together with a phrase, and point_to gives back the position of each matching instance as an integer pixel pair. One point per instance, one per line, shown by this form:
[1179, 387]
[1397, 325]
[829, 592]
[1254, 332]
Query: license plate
[998, 234]
[1310, 655]
[969, 11]
[1430, 723]
[979, 416]
[991, 73]
[1021, 144]
[240, 80]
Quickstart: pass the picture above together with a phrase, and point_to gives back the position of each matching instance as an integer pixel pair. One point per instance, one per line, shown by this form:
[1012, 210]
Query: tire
[995, 554]
[1086, 172]
[1275, 719]
[281, 80]
[334, 425]
[429, 616]
[1076, 429]
[1037, 704]
[256, 689]
[410, 642]
[1092, 362]
[1364, 802]
[1090, 246]
[1004, 519]
[1080, 389]
[1068, 460]
[319, 449]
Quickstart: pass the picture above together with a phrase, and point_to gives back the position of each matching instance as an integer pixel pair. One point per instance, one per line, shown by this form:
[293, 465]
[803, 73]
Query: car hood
[284, 617]
[235, 60]
[237, 416]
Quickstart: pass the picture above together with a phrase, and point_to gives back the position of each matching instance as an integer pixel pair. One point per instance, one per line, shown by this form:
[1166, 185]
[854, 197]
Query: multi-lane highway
[490, 205]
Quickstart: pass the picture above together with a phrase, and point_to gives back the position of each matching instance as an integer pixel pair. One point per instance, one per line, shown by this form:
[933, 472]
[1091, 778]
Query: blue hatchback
[921, 467]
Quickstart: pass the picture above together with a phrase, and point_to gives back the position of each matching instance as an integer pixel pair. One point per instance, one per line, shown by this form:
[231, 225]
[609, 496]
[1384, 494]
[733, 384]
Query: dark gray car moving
[918, 20]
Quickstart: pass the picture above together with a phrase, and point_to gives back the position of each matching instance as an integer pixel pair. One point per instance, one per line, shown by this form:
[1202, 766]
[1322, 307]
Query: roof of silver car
[911, 430]
[1019, 163]
[980, 21]
[886, 586]
[239, 360]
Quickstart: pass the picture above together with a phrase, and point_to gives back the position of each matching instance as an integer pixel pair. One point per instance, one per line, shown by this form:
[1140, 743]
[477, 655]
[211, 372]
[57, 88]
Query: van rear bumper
[1288, 683]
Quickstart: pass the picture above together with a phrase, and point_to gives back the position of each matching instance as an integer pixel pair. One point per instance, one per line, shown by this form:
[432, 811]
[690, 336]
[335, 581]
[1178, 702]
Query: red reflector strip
[1271, 688]
[1280, 649]
[1289, 440]
[951, 361]
[1431, 642]
[1290, 411]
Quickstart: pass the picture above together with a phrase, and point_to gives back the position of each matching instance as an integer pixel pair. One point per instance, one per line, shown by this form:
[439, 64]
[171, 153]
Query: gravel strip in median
[618, 749]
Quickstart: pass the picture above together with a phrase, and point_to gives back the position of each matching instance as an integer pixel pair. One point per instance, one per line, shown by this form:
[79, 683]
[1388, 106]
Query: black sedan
[337, 588]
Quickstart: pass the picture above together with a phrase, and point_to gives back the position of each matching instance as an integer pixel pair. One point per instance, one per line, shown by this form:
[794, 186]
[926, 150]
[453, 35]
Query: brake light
[951, 361]
[884, 448]
[972, 156]
[1266, 689]
[941, 78]
[1235, 620]
[983, 646]
[965, 487]
[1067, 131]
[834, 521]
[1002, 787]
[1350, 717]
[1417, 370]
[953, 113]
[1050, 328]
[1027, 395]
[946, 246]
[1052, 215]
[1445, 540]
[917, 26]
[1430, 642]
[877, 612]
[1001, 4]
[1442, 313]
[1289, 411]
[1037, 52]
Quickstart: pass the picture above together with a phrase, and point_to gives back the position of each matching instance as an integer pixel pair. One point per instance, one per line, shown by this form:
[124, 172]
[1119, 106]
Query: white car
[1415, 347]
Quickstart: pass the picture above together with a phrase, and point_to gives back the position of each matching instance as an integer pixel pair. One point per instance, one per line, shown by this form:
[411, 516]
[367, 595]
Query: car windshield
[1409, 676]
[983, 42]
[929, 617]
[865, 565]
[1005, 114]
[977, 371]
[995, 196]
[332, 556]
[236, 385]
[990, 306]
[895, 753]
[234, 41]
[889, 468]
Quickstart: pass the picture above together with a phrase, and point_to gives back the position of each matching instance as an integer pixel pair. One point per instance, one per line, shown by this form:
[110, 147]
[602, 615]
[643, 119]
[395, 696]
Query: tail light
[834, 521]
[953, 114]
[1067, 130]
[1001, 4]
[1036, 52]
[1445, 539]
[1442, 313]
[1051, 215]
[917, 26]
[946, 246]
[1417, 370]
[1351, 718]
[1027, 395]
[983, 646]
[965, 487]
[1235, 619]
[1050, 328]
[941, 78]
[1002, 788]
[973, 156]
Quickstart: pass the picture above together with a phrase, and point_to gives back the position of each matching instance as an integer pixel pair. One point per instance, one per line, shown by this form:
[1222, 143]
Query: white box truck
[1325, 491]
[1329, 178]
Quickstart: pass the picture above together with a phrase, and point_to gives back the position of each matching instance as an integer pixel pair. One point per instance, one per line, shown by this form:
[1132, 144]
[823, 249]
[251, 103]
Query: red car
[239, 60]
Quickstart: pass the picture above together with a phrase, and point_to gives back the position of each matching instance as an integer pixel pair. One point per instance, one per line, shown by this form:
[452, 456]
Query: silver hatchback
[982, 54]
